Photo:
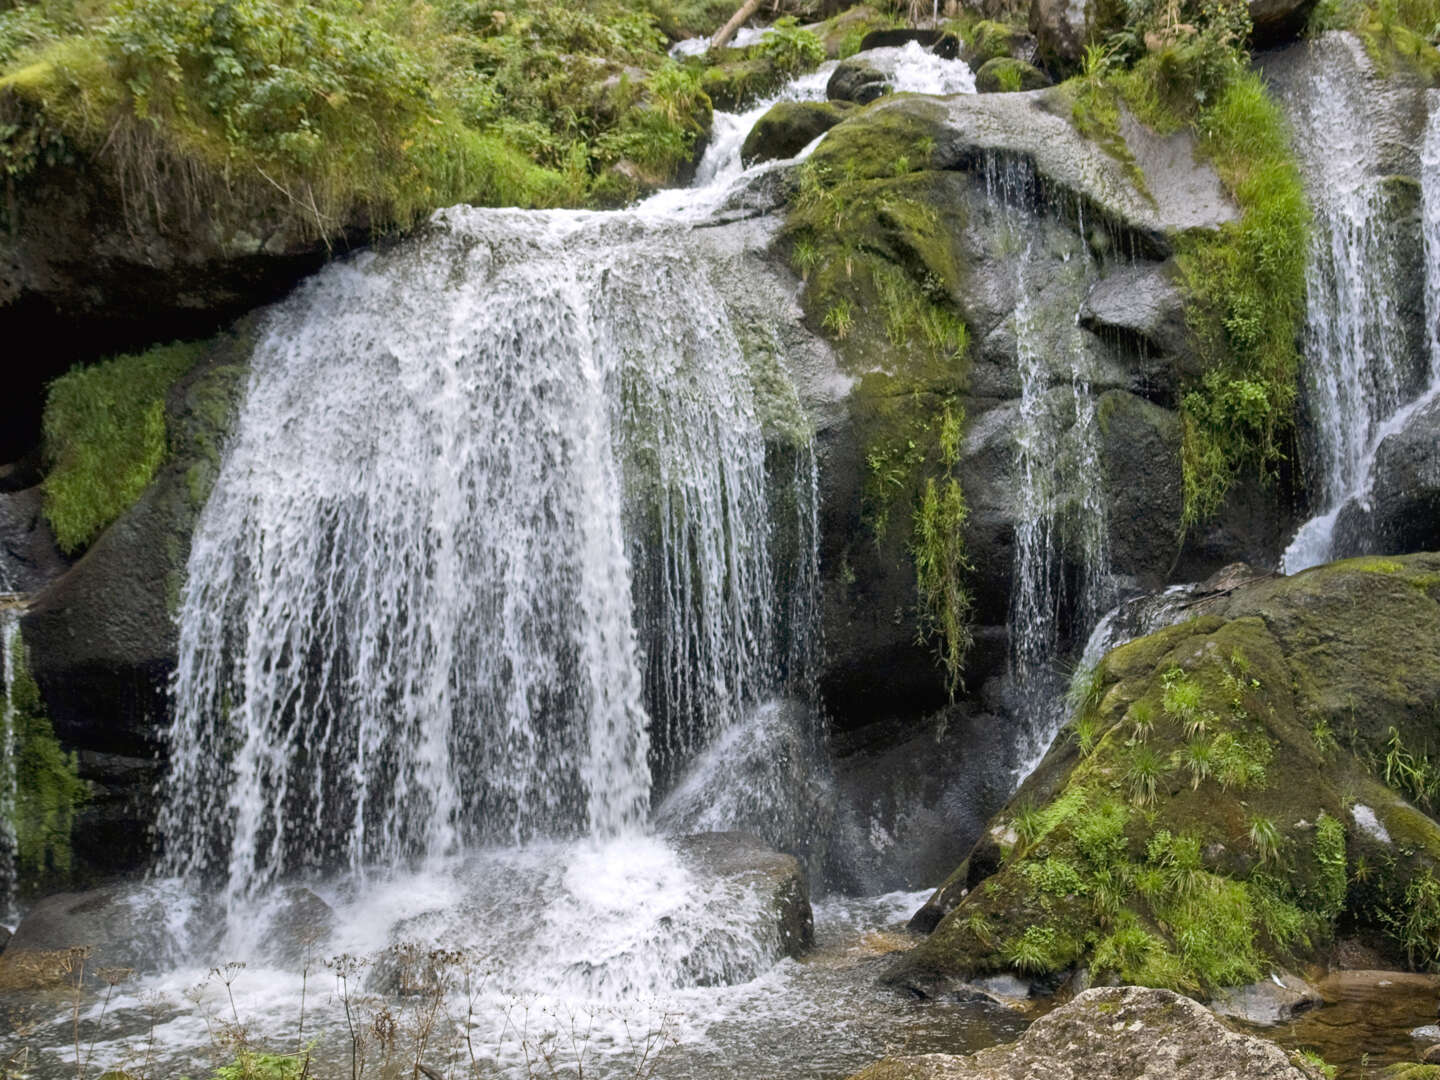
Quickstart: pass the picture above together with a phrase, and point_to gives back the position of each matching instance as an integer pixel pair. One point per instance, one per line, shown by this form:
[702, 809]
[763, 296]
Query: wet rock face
[1048, 250]
[101, 636]
[29, 559]
[1110, 1032]
[745, 861]
[1402, 509]
[857, 82]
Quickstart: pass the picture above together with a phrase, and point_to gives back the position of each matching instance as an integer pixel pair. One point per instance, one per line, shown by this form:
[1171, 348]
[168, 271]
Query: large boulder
[1110, 1032]
[1194, 826]
[29, 559]
[102, 637]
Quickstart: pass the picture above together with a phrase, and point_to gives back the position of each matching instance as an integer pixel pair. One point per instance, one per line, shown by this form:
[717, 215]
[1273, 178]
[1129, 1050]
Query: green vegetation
[320, 115]
[48, 790]
[1183, 65]
[1399, 35]
[105, 437]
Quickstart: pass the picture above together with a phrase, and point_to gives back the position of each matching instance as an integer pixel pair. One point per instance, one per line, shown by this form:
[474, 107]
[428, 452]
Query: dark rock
[5, 935]
[29, 559]
[1140, 445]
[1141, 305]
[899, 827]
[1110, 1032]
[857, 81]
[93, 935]
[789, 127]
[1401, 512]
[1004, 75]
[836, 34]
[102, 637]
[1063, 28]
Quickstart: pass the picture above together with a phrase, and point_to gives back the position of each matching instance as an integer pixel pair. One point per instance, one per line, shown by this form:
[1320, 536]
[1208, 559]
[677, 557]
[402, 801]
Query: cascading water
[408, 623]
[1358, 367]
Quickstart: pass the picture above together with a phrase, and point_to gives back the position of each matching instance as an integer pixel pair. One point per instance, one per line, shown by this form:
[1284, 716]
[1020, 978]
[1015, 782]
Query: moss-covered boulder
[1230, 790]
[789, 127]
[101, 639]
[1005, 74]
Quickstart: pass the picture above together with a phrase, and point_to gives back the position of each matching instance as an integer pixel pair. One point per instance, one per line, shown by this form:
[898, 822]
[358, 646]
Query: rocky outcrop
[101, 638]
[1110, 1032]
[789, 127]
[1015, 220]
[1202, 761]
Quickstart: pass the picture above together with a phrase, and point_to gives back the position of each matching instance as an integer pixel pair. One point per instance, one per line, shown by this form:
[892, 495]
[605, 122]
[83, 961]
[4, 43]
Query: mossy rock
[1004, 74]
[988, 40]
[735, 84]
[1218, 805]
[789, 127]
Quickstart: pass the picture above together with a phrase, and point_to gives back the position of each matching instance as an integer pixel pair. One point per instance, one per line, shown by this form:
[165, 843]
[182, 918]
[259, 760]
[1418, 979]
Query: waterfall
[1356, 358]
[493, 531]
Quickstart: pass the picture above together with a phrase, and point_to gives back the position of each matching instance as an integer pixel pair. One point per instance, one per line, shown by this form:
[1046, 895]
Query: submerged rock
[789, 127]
[1273, 1000]
[96, 937]
[1110, 1032]
[857, 81]
[747, 863]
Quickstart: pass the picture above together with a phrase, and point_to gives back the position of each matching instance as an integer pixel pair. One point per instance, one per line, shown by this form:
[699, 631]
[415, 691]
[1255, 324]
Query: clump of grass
[104, 432]
[48, 790]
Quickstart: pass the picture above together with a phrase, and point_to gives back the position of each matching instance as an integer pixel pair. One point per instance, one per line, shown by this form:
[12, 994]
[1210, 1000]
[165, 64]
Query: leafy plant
[1266, 839]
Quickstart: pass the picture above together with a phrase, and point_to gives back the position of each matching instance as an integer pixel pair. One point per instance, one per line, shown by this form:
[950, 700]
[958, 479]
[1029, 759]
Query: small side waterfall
[9, 657]
[1359, 367]
[495, 502]
[1062, 570]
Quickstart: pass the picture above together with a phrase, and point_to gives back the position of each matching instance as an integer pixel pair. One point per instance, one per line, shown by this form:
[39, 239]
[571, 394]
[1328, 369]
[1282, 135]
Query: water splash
[494, 501]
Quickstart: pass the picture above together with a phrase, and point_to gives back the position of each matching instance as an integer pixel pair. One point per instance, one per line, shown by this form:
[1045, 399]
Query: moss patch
[104, 430]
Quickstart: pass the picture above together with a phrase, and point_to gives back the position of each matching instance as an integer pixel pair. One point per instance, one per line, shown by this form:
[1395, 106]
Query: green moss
[104, 430]
[48, 791]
